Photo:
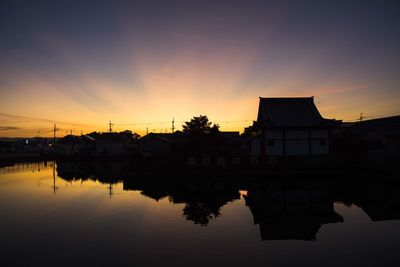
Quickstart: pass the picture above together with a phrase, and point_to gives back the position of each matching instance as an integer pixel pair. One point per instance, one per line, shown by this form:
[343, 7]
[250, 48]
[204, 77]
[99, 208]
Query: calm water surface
[70, 215]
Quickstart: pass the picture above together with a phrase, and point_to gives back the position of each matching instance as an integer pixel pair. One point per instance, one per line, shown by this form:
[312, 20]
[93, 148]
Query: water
[75, 215]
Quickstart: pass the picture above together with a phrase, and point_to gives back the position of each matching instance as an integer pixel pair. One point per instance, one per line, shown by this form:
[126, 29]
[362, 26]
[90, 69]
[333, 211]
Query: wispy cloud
[345, 89]
[17, 118]
[8, 128]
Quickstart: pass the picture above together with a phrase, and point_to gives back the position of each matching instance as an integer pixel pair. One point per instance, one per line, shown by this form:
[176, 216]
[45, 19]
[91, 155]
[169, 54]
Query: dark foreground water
[73, 215]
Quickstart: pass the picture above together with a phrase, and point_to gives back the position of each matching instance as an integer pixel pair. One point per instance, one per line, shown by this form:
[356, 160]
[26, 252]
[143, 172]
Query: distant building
[290, 127]
[97, 145]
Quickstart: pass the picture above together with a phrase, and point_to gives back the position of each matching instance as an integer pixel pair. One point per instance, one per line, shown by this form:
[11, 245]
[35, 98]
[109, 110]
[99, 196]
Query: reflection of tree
[204, 199]
[154, 193]
[201, 213]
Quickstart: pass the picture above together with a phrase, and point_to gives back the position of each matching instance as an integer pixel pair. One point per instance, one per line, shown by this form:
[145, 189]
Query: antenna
[173, 125]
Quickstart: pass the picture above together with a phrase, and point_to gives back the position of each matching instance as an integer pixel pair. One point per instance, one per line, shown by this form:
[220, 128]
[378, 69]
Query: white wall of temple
[293, 143]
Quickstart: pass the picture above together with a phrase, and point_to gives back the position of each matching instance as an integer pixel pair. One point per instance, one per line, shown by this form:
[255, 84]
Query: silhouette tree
[200, 125]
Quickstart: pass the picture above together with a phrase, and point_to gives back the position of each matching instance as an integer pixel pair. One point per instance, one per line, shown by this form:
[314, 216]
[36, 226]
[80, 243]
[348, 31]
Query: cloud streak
[8, 128]
[17, 119]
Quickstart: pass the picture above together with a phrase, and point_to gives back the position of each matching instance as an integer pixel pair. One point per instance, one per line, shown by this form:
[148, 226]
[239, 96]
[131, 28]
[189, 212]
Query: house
[97, 145]
[71, 145]
[113, 144]
[156, 144]
[290, 127]
[375, 141]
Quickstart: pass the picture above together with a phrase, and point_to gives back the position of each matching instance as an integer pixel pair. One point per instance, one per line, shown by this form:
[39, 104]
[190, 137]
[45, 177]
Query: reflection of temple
[290, 211]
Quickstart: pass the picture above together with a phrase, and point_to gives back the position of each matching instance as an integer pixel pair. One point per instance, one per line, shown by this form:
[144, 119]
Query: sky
[140, 64]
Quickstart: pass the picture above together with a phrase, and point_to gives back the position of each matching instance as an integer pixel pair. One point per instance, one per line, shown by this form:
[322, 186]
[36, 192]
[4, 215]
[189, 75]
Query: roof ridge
[287, 98]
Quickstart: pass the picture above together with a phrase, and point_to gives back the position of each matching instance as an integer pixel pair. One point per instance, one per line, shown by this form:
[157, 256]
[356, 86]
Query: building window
[272, 161]
[271, 142]
[191, 161]
[322, 142]
[206, 161]
[221, 161]
[254, 160]
[236, 160]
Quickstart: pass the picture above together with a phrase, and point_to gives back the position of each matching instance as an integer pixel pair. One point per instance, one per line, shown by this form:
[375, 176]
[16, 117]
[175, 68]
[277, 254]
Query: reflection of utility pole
[110, 192]
[54, 178]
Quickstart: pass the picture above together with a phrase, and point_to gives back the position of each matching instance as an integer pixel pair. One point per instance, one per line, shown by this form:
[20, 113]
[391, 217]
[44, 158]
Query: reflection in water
[379, 199]
[203, 199]
[81, 205]
[288, 209]
[291, 210]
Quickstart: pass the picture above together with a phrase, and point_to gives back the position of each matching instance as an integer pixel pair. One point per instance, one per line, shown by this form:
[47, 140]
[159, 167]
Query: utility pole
[147, 130]
[173, 125]
[361, 116]
[54, 136]
[110, 124]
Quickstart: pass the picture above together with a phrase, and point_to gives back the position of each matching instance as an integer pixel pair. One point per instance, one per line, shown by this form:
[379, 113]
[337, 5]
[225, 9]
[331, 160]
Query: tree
[200, 125]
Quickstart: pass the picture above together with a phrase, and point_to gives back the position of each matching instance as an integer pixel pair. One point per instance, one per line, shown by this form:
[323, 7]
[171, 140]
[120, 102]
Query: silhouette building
[291, 127]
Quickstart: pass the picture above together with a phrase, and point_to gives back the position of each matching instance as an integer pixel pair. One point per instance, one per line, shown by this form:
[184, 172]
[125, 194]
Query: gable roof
[175, 137]
[75, 139]
[290, 112]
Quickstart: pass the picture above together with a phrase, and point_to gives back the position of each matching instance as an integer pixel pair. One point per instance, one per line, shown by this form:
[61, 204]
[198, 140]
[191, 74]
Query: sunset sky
[142, 63]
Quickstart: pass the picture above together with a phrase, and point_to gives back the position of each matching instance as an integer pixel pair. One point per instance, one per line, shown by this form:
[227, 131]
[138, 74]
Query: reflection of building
[105, 172]
[381, 201]
[290, 127]
[296, 212]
